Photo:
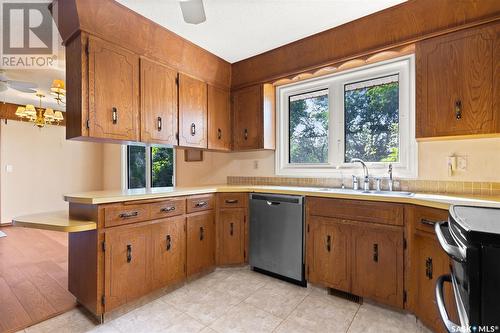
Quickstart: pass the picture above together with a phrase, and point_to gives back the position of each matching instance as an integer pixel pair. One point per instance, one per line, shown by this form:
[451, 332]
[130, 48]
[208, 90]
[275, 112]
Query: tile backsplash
[411, 185]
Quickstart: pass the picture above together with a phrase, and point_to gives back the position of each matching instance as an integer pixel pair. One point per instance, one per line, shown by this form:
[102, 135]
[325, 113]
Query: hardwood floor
[33, 277]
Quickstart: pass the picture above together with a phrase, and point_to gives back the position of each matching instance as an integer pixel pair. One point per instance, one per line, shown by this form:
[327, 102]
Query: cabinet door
[219, 119]
[248, 118]
[231, 236]
[169, 251]
[127, 264]
[158, 103]
[192, 112]
[457, 83]
[328, 261]
[430, 263]
[113, 92]
[200, 242]
[377, 259]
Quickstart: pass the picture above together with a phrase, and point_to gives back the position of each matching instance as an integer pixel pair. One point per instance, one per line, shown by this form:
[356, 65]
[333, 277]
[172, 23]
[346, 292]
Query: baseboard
[8, 224]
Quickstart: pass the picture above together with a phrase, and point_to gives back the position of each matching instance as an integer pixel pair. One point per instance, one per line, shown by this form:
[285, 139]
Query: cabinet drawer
[232, 200]
[171, 207]
[426, 217]
[199, 203]
[357, 210]
[119, 215]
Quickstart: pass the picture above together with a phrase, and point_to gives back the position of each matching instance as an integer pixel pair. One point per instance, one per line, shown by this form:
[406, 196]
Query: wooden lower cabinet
[231, 222]
[169, 252]
[328, 247]
[377, 263]
[430, 263]
[127, 264]
[200, 242]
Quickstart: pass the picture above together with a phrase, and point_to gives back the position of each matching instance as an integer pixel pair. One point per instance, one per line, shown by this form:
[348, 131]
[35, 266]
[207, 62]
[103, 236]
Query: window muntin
[371, 120]
[308, 127]
[149, 167]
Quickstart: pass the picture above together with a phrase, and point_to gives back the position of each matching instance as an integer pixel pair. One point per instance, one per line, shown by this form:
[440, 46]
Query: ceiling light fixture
[39, 116]
[193, 11]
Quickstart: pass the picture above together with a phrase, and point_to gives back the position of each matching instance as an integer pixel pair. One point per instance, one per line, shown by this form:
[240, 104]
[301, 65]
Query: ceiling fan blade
[23, 89]
[21, 84]
[193, 11]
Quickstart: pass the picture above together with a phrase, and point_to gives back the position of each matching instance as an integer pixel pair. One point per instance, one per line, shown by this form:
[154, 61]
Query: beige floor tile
[320, 313]
[245, 318]
[371, 318]
[278, 298]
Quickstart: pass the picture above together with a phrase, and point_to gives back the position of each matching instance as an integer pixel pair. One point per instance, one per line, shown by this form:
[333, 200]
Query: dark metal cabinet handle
[231, 201]
[129, 215]
[428, 222]
[231, 228]
[169, 242]
[202, 231]
[219, 134]
[193, 129]
[246, 134]
[167, 209]
[328, 243]
[375, 252]
[450, 326]
[428, 268]
[458, 109]
[201, 204]
[129, 253]
[114, 115]
[159, 124]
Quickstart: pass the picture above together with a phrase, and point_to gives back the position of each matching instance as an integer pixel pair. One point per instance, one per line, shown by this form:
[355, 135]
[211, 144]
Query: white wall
[45, 166]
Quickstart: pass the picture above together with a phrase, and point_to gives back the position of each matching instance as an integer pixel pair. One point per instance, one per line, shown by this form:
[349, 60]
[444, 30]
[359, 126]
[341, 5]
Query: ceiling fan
[193, 11]
[5, 83]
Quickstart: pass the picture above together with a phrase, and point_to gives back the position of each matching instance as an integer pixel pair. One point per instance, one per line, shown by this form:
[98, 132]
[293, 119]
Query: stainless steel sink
[371, 192]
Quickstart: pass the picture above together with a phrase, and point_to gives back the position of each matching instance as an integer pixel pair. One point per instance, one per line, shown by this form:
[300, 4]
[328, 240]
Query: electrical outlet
[256, 164]
[462, 163]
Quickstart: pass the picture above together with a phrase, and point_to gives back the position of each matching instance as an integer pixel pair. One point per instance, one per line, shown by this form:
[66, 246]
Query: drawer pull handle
[219, 134]
[231, 228]
[375, 252]
[428, 222]
[328, 243]
[231, 201]
[114, 115]
[129, 215]
[159, 124]
[458, 109]
[202, 231]
[246, 134]
[169, 242]
[193, 129]
[428, 268]
[167, 209]
[129, 253]
[201, 204]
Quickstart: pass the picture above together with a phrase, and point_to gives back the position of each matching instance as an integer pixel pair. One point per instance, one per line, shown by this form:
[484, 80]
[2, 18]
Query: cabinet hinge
[404, 244]
[103, 246]
[103, 300]
[87, 48]
[244, 219]
[308, 228]
[177, 136]
[244, 254]
[404, 296]
[177, 80]
[87, 123]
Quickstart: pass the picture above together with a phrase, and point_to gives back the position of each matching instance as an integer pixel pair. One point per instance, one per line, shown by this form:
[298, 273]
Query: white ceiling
[239, 29]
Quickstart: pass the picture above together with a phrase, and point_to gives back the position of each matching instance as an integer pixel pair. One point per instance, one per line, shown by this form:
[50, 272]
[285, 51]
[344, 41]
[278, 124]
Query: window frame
[148, 169]
[406, 167]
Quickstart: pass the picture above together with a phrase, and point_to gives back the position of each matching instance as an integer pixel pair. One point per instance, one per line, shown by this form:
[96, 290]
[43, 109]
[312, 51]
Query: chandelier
[58, 89]
[39, 116]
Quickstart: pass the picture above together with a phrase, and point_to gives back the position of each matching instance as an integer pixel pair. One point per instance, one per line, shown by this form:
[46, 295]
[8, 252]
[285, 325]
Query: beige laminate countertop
[422, 199]
[56, 221]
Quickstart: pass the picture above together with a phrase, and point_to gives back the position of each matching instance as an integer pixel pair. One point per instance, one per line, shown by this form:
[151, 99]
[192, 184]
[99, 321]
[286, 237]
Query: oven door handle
[450, 326]
[452, 250]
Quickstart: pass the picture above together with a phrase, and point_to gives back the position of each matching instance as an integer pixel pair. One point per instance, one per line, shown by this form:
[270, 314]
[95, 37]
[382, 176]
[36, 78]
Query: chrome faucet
[391, 182]
[366, 182]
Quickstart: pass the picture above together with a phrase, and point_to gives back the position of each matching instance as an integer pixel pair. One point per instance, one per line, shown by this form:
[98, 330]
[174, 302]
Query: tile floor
[240, 300]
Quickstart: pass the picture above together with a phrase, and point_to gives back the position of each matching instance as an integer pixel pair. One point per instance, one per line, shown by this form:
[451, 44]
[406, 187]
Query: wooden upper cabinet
[458, 83]
[158, 103]
[377, 263]
[192, 112]
[169, 251]
[127, 264]
[254, 117]
[219, 119]
[113, 81]
[328, 253]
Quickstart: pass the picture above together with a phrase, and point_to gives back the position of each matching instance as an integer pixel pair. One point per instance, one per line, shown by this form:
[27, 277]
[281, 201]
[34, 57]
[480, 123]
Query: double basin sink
[370, 192]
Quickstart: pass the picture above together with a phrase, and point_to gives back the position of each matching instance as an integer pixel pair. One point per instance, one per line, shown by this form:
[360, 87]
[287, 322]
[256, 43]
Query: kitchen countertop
[422, 199]
[56, 221]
